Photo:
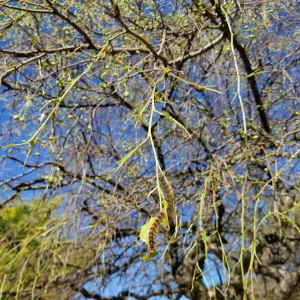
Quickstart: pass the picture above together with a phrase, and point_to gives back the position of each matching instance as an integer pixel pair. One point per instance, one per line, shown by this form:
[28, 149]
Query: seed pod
[154, 231]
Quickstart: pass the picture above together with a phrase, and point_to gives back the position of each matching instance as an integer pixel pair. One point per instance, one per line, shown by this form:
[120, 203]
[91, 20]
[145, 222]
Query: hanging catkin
[170, 198]
[154, 231]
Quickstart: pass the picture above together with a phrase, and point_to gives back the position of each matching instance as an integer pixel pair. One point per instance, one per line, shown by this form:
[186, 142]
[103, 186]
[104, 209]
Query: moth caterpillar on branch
[170, 198]
[154, 231]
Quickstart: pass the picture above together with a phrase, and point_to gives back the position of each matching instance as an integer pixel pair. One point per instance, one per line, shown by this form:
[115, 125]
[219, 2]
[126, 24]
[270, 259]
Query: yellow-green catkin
[169, 196]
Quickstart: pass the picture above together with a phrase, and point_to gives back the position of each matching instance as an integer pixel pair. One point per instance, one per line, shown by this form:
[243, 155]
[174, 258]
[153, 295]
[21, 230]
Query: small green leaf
[32, 143]
[165, 203]
[149, 255]
[145, 229]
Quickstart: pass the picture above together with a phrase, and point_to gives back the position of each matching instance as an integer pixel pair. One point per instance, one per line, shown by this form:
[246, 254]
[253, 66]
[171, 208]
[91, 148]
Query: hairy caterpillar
[170, 198]
[154, 231]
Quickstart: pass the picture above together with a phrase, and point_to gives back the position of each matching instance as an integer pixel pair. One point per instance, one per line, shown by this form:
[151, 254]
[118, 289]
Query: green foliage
[27, 233]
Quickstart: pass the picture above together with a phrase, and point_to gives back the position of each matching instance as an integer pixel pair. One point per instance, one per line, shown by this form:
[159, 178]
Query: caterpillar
[154, 231]
[170, 198]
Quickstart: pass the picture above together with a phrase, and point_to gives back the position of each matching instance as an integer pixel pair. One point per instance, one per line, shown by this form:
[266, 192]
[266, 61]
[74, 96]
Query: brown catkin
[154, 231]
[170, 198]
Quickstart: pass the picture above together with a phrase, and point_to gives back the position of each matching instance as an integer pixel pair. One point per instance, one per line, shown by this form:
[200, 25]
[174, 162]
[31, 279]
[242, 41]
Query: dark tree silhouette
[113, 111]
